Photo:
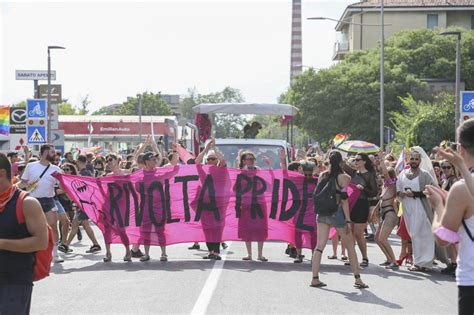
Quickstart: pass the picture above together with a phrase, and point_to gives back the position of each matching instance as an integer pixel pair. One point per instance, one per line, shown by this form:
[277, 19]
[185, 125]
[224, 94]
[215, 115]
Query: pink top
[447, 235]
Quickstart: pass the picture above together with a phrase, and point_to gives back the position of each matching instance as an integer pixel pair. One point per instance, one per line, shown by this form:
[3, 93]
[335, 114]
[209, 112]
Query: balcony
[340, 49]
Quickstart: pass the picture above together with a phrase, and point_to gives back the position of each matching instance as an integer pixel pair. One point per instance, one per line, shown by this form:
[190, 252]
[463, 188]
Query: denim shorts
[59, 206]
[47, 204]
[337, 220]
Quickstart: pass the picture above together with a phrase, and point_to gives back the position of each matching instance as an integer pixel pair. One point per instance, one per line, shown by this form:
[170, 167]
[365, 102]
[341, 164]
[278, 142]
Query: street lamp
[458, 77]
[382, 57]
[48, 105]
[139, 117]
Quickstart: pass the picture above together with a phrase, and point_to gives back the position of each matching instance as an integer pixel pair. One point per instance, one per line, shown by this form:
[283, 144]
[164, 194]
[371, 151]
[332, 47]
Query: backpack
[324, 197]
[43, 258]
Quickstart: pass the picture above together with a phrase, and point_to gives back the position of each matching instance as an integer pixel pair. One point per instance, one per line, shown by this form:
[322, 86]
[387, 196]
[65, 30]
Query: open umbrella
[357, 146]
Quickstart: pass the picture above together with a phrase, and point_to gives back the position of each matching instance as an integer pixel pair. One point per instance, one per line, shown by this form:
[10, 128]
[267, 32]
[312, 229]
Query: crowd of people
[407, 194]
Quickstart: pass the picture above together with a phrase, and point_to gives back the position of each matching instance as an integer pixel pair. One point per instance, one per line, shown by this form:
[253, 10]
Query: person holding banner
[113, 163]
[152, 161]
[247, 162]
[213, 158]
[340, 220]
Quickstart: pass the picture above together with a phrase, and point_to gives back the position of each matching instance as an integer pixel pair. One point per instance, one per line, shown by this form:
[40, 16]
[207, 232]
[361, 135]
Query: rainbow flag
[401, 161]
[339, 138]
[4, 120]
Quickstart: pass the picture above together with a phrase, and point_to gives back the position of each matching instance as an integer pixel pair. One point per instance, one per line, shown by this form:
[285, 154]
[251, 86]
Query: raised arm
[209, 145]
[175, 158]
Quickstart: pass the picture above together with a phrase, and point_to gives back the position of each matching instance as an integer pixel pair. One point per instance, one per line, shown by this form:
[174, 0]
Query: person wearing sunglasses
[450, 177]
[417, 213]
[247, 162]
[113, 165]
[365, 180]
[213, 157]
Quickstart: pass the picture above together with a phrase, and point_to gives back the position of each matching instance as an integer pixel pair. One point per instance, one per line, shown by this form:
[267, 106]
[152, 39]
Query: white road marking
[200, 307]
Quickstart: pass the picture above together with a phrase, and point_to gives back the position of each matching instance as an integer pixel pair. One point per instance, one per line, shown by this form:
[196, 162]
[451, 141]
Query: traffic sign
[467, 102]
[34, 75]
[36, 108]
[36, 134]
[17, 120]
[17, 141]
[56, 96]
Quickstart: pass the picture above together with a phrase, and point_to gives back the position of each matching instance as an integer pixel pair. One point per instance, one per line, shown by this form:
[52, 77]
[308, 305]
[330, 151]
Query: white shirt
[45, 187]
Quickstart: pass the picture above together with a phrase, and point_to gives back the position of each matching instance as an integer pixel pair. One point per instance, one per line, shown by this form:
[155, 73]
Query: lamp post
[48, 105]
[458, 78]
[382, 59]
[139, 117]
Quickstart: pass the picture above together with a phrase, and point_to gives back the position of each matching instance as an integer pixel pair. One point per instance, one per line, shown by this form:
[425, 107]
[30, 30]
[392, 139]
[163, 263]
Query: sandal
[164, 258]
[347, 263]
[217, 257]
[365, 262]
[145, 258]
[417, 268]
[64, 248]
[320, 284]
[107, 258]
[385, 263]
[261, 258]
[332, 257]
[299, 259]
[210, 256]
[343, 258]
[247, 258]
[127, 257]
[359, 285]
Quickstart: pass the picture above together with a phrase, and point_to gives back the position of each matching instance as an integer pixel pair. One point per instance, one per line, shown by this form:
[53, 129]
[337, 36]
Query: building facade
[401, 15]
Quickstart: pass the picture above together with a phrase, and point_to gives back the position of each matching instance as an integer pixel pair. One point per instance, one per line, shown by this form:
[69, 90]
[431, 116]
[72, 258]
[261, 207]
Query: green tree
[66, 109]
[83, 109]
[225, 125]
[424, 123]
[152, 105]
[346, 96]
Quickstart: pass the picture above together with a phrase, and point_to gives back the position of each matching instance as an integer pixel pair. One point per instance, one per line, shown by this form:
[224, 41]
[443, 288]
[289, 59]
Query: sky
[116, 49]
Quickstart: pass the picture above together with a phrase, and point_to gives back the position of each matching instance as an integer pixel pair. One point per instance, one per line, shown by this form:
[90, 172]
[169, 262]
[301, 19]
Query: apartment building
[401, 14]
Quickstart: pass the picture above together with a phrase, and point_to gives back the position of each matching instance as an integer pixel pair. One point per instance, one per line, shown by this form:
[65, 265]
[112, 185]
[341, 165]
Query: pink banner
[188, 203]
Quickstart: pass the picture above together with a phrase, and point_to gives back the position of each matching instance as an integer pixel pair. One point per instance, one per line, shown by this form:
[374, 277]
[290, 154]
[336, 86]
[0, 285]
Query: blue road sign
[467, 102]
[36, 108]
[36, 134]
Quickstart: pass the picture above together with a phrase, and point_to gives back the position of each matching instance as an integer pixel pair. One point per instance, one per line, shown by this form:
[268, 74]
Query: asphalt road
[185, 284]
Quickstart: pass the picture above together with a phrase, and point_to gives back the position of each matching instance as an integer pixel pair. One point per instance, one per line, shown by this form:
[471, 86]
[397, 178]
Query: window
[432, 21]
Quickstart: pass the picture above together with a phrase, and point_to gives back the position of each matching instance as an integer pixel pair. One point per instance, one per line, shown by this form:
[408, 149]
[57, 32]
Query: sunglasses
[211, 158]
[67, 169]
[110, 160]
[446, 167]
[414, 159]
[357, 160]
[250, 159]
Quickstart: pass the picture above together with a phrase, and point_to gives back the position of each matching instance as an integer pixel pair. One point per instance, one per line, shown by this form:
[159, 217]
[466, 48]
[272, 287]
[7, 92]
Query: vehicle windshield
[231, 153]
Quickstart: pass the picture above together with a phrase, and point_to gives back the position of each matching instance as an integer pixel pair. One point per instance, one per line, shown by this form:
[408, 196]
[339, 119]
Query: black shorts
[360, 212]
[465, 300]
[15, 299]
[47, 204]
[81, 215]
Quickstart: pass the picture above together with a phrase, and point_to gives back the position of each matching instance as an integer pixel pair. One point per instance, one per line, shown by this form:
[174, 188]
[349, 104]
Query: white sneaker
[57, 259]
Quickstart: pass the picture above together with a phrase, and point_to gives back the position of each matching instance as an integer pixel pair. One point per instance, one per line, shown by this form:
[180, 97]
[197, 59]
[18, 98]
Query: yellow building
[401, 14]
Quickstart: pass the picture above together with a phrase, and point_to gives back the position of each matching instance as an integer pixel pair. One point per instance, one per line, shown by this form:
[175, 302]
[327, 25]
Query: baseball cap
[147, 156]
[12, 154]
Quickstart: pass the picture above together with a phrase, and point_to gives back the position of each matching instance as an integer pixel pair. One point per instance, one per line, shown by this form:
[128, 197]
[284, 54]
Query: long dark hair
[369, 166]
[335, 160]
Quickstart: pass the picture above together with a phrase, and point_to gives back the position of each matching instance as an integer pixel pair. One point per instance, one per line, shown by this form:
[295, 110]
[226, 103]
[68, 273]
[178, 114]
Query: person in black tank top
[22, 233]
